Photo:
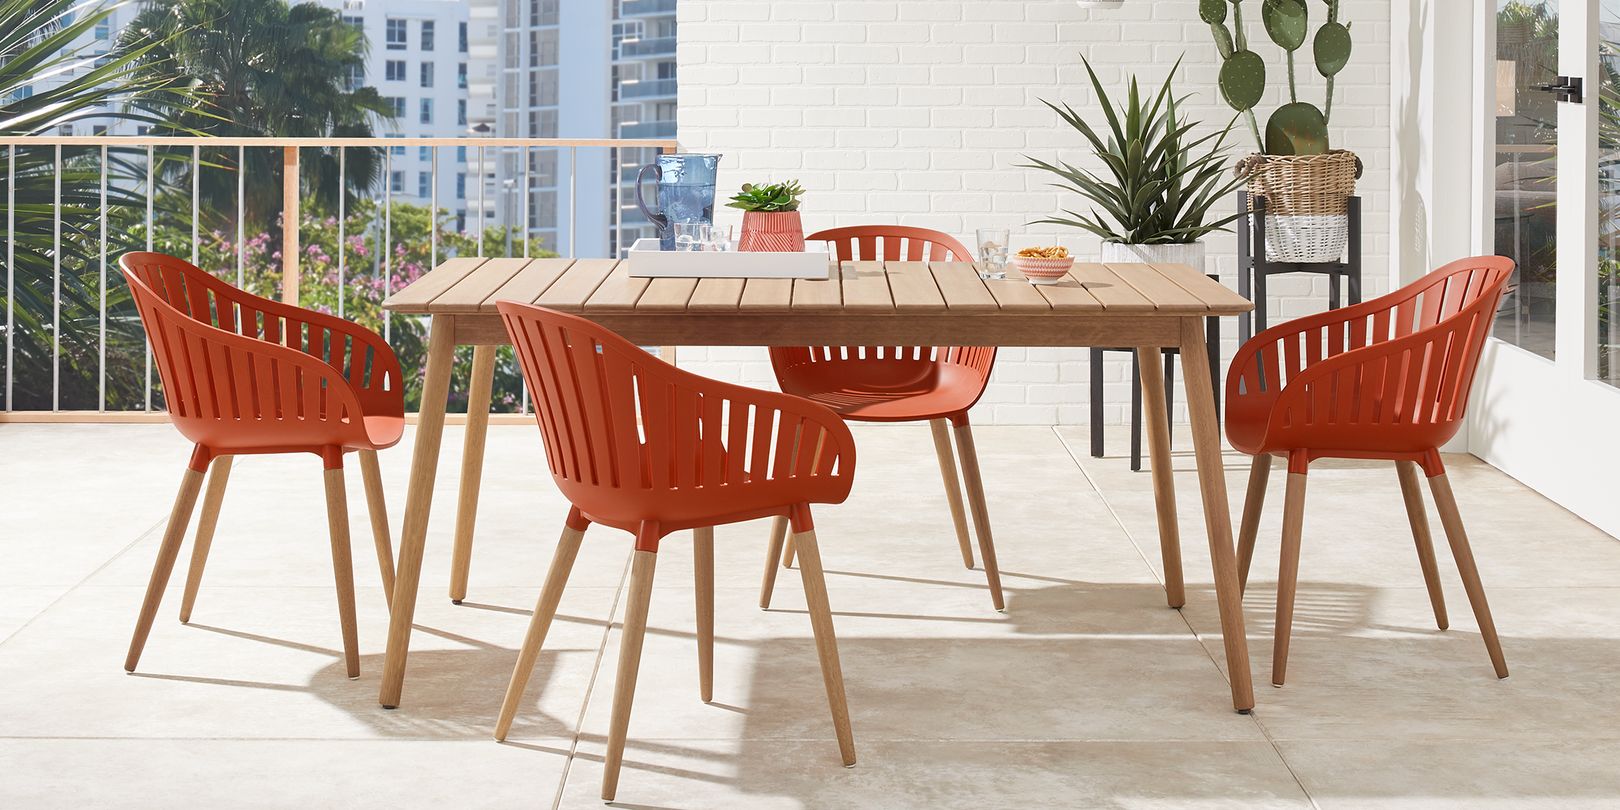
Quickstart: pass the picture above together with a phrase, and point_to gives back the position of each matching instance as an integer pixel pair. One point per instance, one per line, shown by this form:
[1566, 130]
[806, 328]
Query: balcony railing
[642, 8]
[648, 130]
[647, 88]
[73, 345]
[636, 48]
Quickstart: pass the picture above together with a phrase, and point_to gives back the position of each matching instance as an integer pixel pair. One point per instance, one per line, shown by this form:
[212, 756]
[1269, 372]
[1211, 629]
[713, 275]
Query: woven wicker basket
[1306, 203]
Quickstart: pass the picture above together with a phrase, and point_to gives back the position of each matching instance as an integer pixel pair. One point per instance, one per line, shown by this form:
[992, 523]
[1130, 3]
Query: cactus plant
[1298, 127]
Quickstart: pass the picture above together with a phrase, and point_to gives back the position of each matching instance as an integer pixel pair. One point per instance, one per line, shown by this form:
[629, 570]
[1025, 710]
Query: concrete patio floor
[1087, 692]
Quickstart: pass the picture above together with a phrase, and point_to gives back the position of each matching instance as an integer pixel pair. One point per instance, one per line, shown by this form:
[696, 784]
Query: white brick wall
[918, 111]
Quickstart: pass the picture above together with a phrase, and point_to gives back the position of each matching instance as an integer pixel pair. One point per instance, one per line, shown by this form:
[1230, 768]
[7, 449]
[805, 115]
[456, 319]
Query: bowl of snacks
[1043, 265]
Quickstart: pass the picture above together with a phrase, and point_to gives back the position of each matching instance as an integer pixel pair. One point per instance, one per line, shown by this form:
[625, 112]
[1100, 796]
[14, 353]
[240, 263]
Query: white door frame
[1549, 423]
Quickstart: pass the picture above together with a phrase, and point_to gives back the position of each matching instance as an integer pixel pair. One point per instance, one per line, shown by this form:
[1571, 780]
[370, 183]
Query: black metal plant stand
[1254, 268]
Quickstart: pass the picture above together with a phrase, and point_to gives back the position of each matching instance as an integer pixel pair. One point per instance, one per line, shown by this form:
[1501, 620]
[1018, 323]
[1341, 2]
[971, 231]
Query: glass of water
[719, 238]
[691, 235]
[992, 252]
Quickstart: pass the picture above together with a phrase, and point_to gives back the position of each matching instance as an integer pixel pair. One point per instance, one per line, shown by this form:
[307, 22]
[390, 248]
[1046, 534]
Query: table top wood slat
[865, 287]
[528, 283]
[913, 288]
[468, 295]
[667, 294]
[767, 295]
[1165, 294]
[619, 292]
[571, 290]
[1014, 294]
[961, 288]
[1098, 283]
[818, 294]
[1213, 293]
[419, 294]
[716, 295]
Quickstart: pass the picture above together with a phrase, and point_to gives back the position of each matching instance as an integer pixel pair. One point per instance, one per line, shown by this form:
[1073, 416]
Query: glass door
[1546, 400]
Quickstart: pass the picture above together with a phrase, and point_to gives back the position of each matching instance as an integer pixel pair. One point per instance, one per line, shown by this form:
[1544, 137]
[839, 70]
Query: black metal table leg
[1096, 375]
[1136, 412]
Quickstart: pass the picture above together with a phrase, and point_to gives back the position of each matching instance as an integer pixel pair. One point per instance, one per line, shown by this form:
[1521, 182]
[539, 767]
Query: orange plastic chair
[246, 375]
[1385, 379]
[899, 384]
[637, 444]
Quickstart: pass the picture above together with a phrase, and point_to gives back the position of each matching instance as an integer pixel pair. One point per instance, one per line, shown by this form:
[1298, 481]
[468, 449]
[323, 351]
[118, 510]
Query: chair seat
[885, 391]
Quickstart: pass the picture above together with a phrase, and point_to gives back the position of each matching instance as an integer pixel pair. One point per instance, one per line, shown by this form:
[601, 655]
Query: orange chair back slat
[1396, 371]
[630, 438]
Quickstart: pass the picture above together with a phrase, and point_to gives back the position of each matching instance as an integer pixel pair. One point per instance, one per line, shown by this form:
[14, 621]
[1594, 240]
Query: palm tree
[46, 83]
[264, 68]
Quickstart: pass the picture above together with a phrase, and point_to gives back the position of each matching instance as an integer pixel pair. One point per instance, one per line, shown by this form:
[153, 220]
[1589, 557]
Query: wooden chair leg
[703, 573]
[624, 685]
[219, 474]
[562, 562]
[472, 468]
[1288, 573]
[779, 527]
[1412, 493]
[1446, 504]
[1253, 504]
[788, 552]
[377, 505]
[179, 515]
[953, 487]
[832, 674]
[981, 515]
[337, 520]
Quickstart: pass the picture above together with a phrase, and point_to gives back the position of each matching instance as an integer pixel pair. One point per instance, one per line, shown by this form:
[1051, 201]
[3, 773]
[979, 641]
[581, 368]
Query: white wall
[918, 111]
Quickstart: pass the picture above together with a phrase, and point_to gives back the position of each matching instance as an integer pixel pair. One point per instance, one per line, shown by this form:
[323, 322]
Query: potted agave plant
[1152, 202]
[1306, 184]
[770, 217]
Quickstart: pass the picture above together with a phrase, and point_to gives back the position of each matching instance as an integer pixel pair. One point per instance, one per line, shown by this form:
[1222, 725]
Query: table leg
[1164, 486]
[472, 467]
[1206, 432]
[418, 502]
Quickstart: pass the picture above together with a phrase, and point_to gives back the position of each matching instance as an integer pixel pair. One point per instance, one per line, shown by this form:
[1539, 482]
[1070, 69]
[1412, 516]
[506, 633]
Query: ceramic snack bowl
[1043, 271]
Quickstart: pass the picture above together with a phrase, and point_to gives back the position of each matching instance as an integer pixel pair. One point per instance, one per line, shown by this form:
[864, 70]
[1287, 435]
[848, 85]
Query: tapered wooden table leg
[219, 473]
[1164, 485]
[472, 467]
[418, 503]
[1206, 430]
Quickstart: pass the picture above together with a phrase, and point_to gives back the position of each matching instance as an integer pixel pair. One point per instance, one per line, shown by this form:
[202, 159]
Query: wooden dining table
[862, 303]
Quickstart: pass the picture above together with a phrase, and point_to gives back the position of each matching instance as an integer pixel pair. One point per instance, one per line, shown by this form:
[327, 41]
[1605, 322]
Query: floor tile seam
[590, 686]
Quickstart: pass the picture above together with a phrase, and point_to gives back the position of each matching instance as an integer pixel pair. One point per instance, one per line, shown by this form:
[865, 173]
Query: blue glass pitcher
[685, 192]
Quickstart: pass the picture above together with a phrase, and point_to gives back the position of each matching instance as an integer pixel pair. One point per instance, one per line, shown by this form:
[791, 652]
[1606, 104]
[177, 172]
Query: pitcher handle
[661, 221]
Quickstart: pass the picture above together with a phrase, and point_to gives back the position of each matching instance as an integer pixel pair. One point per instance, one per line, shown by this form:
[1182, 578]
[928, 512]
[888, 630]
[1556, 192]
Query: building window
[426, 116]
[462, 36]
[394, 70]
[461, 186]
[396, 35]
[427, 74]
[396, 151]
[424, 153]
[104, 30]
[423, 184]
[461, 112]
[427, 35]
[357, 22]
[397, 104]
[461, 75]
[461, 154]
[396, 182]
[354, 76]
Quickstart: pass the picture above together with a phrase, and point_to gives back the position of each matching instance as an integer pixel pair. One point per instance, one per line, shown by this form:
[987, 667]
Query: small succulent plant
[1298, 127]
[768, 198]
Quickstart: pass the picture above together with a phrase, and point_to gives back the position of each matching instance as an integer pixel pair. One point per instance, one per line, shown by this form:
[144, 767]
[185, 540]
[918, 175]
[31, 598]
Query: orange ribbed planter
[771, 231]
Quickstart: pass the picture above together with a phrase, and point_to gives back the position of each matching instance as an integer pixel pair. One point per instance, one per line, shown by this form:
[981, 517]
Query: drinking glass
[719, 238]
[691, 235]
[992, 252]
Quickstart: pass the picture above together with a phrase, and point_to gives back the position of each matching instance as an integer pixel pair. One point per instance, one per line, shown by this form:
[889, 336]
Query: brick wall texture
[918, 112]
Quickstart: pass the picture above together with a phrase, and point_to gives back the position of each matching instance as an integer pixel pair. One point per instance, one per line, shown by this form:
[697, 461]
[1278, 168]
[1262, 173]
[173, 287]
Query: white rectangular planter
[1191, 253]
[647, 261]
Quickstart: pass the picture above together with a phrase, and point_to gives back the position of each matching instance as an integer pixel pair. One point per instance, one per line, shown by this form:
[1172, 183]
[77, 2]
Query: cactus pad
[1243, 79]
[1285, 21]
[1212, 11]
[1332, 48]
[1223, 39]
[1296, 129]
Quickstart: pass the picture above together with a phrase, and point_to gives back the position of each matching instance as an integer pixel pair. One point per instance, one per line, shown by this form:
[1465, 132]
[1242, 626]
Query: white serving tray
[647, 261]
